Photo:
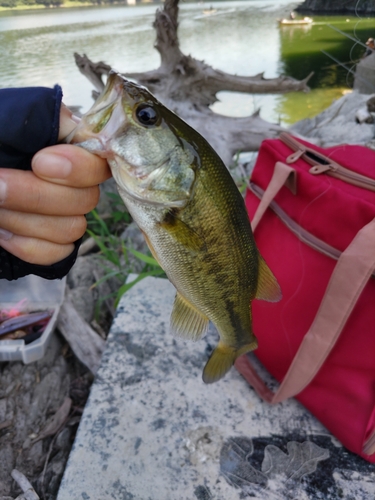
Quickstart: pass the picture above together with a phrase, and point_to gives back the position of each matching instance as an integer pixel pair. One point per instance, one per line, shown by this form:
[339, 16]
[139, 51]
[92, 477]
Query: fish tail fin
[222, 360]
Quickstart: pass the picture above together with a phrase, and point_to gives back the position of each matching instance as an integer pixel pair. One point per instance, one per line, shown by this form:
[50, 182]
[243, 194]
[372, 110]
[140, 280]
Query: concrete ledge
[153, 430]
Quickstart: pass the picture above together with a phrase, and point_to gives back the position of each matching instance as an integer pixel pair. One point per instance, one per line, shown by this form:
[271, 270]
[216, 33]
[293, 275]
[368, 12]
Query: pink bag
[315, 227]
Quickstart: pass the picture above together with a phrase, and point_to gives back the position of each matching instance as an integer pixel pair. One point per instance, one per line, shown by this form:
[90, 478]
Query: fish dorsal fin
[268, 288]
[186, 321]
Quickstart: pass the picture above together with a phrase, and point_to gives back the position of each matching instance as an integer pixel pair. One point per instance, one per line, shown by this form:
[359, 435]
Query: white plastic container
[30, 294]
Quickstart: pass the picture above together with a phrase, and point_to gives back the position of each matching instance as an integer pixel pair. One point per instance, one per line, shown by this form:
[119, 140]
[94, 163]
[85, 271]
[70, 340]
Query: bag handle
[283, 175]
[351, 273]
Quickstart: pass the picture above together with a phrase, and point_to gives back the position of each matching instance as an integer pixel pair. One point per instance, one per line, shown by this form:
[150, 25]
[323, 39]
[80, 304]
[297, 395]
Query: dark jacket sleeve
[29, 121]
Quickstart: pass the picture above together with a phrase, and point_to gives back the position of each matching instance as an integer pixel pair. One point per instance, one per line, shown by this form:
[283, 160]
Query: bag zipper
[323, 164]
[301, 233]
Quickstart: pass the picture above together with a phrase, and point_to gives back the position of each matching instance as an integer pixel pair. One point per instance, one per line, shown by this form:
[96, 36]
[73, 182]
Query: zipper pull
[320, 169]
[295, 156]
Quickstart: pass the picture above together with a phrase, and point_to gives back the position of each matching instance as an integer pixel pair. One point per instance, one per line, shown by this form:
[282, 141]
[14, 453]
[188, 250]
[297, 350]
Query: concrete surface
[152, 430]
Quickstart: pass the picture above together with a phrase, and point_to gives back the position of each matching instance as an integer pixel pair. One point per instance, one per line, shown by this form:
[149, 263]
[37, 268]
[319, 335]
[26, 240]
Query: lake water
[243, 37]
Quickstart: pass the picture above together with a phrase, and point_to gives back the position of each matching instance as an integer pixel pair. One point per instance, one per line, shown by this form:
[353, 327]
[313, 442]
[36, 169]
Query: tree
[189, 87]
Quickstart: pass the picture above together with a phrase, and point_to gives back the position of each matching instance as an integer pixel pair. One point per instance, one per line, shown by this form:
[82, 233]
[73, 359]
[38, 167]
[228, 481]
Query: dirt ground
[45, 398]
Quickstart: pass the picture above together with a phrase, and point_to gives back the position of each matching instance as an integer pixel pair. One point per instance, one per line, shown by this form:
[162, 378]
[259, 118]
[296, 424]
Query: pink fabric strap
[282, 175]
[350, 276]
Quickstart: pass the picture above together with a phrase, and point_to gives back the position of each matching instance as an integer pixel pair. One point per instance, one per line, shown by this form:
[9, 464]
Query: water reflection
[301, 49]
[243, 37]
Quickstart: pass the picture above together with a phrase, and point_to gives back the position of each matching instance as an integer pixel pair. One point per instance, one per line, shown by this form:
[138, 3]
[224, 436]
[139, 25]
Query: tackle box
[30, 294]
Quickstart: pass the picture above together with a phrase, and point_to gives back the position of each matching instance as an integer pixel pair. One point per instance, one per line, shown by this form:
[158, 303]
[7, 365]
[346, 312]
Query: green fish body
[191, 213]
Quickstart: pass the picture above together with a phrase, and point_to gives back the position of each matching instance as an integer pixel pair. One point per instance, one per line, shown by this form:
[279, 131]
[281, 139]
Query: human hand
[42, 211]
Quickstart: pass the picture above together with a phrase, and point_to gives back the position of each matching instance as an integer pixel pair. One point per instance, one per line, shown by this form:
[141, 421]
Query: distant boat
[295, 22]
[209, 12]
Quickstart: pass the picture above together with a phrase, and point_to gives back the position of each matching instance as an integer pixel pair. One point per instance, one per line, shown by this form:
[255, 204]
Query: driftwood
[28, 491]
[86, 344]
[189, 87]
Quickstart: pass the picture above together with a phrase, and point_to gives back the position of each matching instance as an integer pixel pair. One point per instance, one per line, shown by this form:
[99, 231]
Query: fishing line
[357, 42]
[359, 17]
[347, 36]
[284, 313]
[350, 70]
[355, 32]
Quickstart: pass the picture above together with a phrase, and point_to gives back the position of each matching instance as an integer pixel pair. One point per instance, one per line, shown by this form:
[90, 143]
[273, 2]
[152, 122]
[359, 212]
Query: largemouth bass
[191, 213]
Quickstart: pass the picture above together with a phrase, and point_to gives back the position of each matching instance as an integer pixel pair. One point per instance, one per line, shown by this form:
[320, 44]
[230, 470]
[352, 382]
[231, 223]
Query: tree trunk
[189, 87]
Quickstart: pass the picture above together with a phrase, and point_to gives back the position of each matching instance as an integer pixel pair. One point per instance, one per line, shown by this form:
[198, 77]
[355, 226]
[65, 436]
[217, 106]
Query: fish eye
[147, 115]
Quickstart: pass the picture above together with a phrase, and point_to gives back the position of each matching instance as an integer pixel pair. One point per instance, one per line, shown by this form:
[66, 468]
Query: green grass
[113, 251]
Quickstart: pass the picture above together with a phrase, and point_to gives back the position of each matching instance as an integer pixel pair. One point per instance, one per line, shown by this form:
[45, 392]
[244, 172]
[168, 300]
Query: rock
[337, 124]
[364, 116]
[153, 430]
[364, 80]
[371, 104]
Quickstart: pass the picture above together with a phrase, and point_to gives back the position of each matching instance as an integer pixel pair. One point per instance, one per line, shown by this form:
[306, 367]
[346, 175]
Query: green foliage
[113, 251]
[114, 222]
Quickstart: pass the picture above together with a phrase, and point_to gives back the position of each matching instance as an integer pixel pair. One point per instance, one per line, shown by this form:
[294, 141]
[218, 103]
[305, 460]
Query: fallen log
[86, 344]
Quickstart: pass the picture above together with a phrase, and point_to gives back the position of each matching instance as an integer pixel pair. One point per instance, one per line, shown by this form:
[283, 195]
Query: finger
[25, 192]
[36, 251]
[68, 122]
[70, 165]
[56, 229]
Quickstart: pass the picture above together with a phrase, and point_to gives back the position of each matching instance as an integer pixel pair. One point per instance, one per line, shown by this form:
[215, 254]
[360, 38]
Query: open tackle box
[27, 295]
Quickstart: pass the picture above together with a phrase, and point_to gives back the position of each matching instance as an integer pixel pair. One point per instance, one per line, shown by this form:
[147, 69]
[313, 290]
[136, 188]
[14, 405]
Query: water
[243, 37]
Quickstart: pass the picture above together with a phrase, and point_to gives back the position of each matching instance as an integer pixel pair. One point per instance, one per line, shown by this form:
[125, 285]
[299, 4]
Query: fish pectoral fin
[182, 233]
[222, 360]
[186, 321]
[268, 288]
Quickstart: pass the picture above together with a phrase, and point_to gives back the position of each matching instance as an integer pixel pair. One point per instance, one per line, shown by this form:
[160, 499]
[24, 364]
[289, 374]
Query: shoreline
[75, 3]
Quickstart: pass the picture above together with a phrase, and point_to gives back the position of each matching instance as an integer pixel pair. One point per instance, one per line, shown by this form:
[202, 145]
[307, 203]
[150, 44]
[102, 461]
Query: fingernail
[53, 166]
[3, 191]
[5, 235]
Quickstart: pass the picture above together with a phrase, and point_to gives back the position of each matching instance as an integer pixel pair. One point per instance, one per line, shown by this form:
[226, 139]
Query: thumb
[68, 122]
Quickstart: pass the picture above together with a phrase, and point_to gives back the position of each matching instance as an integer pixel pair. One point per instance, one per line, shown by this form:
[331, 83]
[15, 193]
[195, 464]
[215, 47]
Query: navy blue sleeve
[29, 121]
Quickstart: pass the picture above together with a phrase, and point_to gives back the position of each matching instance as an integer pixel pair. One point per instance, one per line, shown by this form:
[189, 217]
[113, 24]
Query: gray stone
[153, 430]
[80, 280]
[337, 124]
[364, 81]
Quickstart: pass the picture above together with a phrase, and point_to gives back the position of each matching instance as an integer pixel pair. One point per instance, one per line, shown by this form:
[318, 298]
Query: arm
[42, 211]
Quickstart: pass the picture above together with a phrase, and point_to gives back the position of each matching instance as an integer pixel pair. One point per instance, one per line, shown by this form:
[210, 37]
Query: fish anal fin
[186, 321]
[182, 232]
[268, 288]
[222, 360]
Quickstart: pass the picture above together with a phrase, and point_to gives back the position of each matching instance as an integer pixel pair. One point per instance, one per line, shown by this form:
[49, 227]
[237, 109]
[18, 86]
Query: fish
[191, 213]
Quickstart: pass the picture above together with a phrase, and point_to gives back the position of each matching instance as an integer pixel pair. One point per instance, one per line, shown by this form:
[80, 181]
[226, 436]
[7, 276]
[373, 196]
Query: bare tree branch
[189, 87]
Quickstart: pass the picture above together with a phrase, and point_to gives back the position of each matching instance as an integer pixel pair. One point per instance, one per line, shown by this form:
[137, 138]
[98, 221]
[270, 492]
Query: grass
[114, 253]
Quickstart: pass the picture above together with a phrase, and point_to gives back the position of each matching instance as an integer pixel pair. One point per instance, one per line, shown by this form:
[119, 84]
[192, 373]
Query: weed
[114, 253]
